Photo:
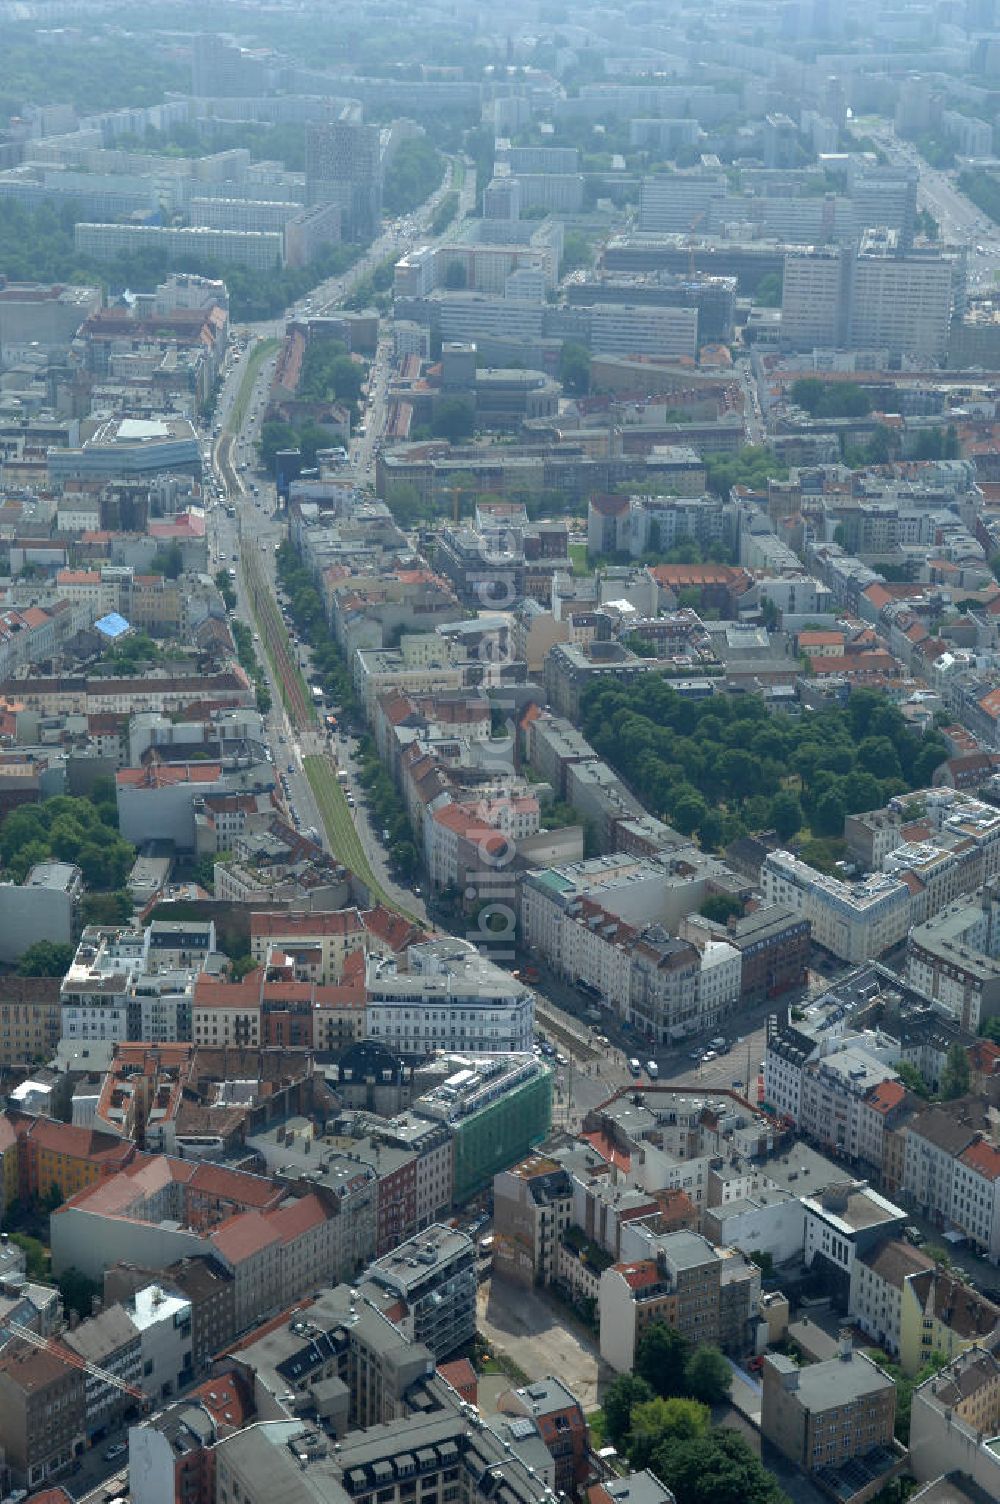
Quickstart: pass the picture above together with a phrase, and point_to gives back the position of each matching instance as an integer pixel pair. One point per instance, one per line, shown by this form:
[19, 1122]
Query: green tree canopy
[956, 1076]
[168, 561]
[78, 1292]
[726, 756]
[660, 1359]
[454, 419]
[413, 173]
[715, 1469]
[752, 466]
[785, 815]
[721, 907]
[660, 1420]
[622, 1396]
[707, 1376]
[913, 1079]
[574, 368]
[830, 399]
[107, 908]
[46, 958]
[276, 435]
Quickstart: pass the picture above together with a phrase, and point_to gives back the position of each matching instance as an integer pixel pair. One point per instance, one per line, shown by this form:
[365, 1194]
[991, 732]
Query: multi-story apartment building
[834, 1091]
[679, 202]
[880, 297]
[259, 250]
[900, 302]
[434, 1274]
[532, 1206]
[955, 1419]
[854, 921]
[678, 1284]
[242, 214]
[914, 1308]
[447, 997]
[559, 1416]
[772, 943]
[46, 906]
[109, 1341]
[842, 1222]
[812, 298]
[30, 1019]
[202, 1283]
[955, 957]
[433, 1144]
[823, 1415]
[42, 1413]
[935, 1141]
[317, 944]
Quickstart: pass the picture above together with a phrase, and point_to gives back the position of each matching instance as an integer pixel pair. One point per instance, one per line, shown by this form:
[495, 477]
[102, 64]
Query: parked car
[120, 1449]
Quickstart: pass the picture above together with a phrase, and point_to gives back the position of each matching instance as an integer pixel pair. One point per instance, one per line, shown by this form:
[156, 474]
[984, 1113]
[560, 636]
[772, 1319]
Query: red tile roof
[79, 1143]
[244, 1236]
[641, 1276]
[983, 1158]
[462, 1377]
[886, 1096]
[391, 928]
[161, 775]
[292, 1220]
[227, 1399]
[671, 575]
[210, 993]
[984, 1056]
[607, 1150]
[237, 1186]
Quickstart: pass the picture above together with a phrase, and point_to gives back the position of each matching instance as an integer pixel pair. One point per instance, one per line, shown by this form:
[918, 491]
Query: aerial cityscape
[500, 752]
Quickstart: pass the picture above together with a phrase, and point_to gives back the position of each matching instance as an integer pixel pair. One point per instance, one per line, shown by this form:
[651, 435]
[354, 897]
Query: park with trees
[725, 767]
[83, 831]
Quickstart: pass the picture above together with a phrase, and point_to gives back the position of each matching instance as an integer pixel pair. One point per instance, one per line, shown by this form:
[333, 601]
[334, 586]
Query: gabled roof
[983, 1158]
[244, 1236]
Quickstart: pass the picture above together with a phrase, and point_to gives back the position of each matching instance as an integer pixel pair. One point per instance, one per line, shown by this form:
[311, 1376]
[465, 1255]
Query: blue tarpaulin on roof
[112, 625]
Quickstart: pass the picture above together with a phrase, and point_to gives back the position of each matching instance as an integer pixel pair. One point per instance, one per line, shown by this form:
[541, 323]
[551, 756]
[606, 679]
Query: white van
[634, 1067]
[652, 1070]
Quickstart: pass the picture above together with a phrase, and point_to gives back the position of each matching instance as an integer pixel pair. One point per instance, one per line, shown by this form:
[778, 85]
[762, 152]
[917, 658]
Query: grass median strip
[254, 361]
[341, 830]
[287, 674]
